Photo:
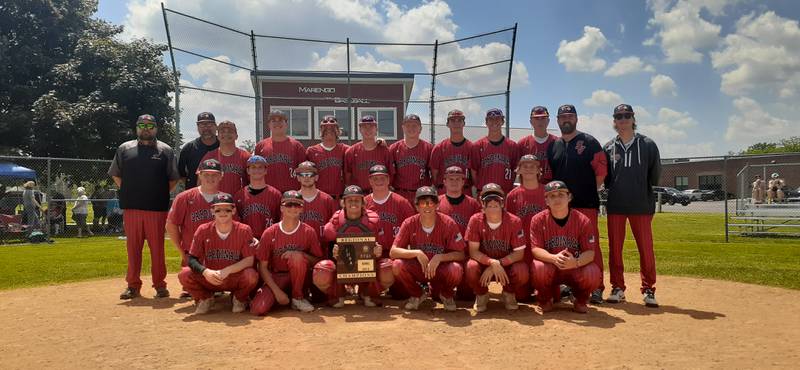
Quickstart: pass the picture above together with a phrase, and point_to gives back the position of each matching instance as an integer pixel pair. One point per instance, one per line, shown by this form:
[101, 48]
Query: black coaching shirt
[189, 158]
[577, 163]
[146, 171]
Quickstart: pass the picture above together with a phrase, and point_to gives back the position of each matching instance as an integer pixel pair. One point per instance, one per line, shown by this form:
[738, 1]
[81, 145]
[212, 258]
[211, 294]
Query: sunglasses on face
[223, 211]
[330, 120]
[147, 126]
[623, 115]
[306, 174]
[292, 205]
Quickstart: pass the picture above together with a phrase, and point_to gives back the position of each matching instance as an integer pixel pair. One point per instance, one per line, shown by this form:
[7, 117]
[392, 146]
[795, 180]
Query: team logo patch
[458, 237]
[520, 234]
[579, 147]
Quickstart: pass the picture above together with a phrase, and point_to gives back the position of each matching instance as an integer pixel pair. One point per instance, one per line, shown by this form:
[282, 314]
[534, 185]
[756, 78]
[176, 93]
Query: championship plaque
[356, 263]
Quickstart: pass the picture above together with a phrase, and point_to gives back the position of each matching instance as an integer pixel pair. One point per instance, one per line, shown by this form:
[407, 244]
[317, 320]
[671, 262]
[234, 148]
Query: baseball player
[352, 218]
[758, 190]
[453, 151]
[328, 156]
[496, 248]
[192, 208]
[282, 152]
[578, 160]
[634, 167]
[527, 199]
[220, 259]
[391, 208]
[258, 204]
[539, 141]
[285, 254]
[411, 157]
[460, 207]
[232, 159]
[319, 206]
[494, 156]
[428, 250]
[145, 172]
[194, 151]
[360, 157]
[563, 251]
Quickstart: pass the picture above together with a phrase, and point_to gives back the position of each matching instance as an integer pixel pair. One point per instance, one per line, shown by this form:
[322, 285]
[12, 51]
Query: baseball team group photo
[366, 198]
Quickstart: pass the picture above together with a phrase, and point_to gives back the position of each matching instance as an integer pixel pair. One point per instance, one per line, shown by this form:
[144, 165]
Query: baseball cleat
[413, 303]
[185, 295]
[580, 307]
[368, 302]
[162, 293]
[597, 297]
[617, 295]
[510, 300]
[481, 301]
[650, 298]
[339, 303]
[204, 305]
[129, 293]
[302, 305]
[449, 303]
[238, 306]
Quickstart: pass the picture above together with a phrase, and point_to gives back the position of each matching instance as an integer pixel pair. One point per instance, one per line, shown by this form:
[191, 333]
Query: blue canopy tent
[11, 170]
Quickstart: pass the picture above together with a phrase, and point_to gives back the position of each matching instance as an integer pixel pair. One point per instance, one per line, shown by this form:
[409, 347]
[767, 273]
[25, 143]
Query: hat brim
[539, 115]
[208, 170]
[491, 196]
[295, 201]
[223, 204]
[352, 195]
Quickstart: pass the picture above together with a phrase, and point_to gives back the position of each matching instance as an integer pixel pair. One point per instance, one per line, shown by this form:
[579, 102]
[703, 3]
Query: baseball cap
[306, 167]
[775, 175]
[211, 165]
[539, 111]
[556, 186]
[368, 119]
[226, 123]
[276, 112]
[222, 199]
[352, 191]
[623, 108]
[292, 196]
[256, 159]
[329, 120]
[146, 118]
[528, 158]
[426, 191]
[494, 112]
[567, 109]
[206, 117]
[411, 117]
[378, 169]
[455, 113]
[492, 190]
[454, 170]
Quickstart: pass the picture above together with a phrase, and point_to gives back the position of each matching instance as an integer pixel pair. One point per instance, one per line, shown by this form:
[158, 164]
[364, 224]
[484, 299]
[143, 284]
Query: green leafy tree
[787, 145]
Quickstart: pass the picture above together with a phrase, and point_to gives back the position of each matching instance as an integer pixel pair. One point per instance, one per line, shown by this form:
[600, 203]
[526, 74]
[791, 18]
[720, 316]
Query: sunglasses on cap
[291, 205]
[146, 125]
[623, 115]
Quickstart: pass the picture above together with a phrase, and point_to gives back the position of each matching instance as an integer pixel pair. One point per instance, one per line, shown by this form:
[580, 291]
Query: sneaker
[302, 305]
[481, 301]
[617, 295]
[185, 295]
[368, 302]
[162, 293]
[650, 298]
[597, 297]
[129, 293]
[204, 306]
[449, 303]
[413, 303]
[238, 306]
[511, 301]
[339, 303]
[580, 307]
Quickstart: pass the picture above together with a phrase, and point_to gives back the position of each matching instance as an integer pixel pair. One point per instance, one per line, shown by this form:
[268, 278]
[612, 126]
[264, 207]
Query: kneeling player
[220, 259]
[496, 248]
[352, 218]
[427, 250]
[286, 252]
[563, 250]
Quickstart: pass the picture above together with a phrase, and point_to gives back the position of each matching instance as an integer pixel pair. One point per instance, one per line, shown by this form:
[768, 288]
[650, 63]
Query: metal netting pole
[177, 83]
[49, 195]
[433, 90]
[350, 100]
[725, 192]
[508, 82]
[257, 88]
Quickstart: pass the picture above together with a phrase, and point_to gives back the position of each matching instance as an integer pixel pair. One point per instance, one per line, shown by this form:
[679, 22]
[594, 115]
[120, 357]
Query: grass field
[686, 245]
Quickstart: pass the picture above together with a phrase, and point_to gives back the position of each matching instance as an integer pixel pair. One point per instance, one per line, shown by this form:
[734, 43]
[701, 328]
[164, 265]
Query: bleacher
[776, 219]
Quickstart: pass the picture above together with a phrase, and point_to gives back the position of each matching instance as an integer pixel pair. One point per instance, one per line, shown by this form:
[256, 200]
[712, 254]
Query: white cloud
[663, 85]
[762, 55]
[359, 12]
[752, 124]
[669, 125]
[336, 60]
[681, 30]
[599, 125]
[603, 98]
[581, 55]
[627, 65]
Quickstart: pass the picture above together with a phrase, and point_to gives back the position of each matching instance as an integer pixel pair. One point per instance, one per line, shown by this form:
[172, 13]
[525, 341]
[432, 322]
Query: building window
[710, 182]
[681, 182]
[387, 120]
[299, 121]
[341, 116]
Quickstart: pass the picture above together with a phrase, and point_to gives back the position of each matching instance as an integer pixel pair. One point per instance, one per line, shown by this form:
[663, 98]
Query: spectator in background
[57, 213]
[114, 212]
[80, 211]
[99, 207]
[30, 205]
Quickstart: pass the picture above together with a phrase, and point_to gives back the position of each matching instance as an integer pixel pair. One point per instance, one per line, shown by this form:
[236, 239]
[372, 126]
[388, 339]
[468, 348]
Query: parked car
[694, 194]
[717, 194]
[792, 195]
[671, 196]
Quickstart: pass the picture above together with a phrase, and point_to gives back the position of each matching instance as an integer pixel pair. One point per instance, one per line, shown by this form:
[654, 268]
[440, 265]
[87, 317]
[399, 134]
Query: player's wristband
[505, 261]
[485, 260]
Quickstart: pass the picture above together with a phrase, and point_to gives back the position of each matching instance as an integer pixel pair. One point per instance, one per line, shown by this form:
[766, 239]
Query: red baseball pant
[517, 276]
[408, 274]
[547, 278]
[240, 284]
[140, 226]
[598, 252]
[641, 226]
[463, 291]
[292, 282]
[324, 277]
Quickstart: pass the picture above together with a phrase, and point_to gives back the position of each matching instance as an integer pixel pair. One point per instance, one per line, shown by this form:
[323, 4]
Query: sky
[705, 77]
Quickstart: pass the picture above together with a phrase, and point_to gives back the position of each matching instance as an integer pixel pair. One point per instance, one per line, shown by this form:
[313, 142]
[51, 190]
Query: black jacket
[632, 173]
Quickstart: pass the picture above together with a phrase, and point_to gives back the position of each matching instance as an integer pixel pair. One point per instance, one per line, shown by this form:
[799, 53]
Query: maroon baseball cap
[494, 112]
[492, 190]
[368, 119]
[426, 191]
[412, 117]
[211, 165]
[353, 191]
[623, 108]
[455, 113]
[378, 169]
[222, 199]
[292, 196]
[146, 118]
[306, 167]
[539, 111]
[454, 170]
[226, 123]
[555, 186]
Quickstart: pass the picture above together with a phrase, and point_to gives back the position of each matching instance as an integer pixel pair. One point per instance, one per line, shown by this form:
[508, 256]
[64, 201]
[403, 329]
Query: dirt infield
[701, 324]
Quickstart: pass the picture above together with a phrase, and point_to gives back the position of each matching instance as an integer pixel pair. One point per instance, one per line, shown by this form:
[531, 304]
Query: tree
[87, 89]
[788, 145]
[248, 145]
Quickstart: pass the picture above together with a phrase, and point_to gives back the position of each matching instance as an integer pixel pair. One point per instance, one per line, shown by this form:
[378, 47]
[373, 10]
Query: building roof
[324, 75]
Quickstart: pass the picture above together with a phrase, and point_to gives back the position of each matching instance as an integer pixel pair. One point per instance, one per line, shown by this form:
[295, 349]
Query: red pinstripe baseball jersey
[460, 212]
[276, 241]
[495, 162]
[318, 211]
[189, 210]
[259, 211]
[499, 242]
[282, 158]
[446, 154]
[357, 161]
[234, 169]
[217, 253]
[392, 213]
[411, 165]
[529, 145]
[444, 238]
[576, 236]
[525, 203]
[330, 166]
